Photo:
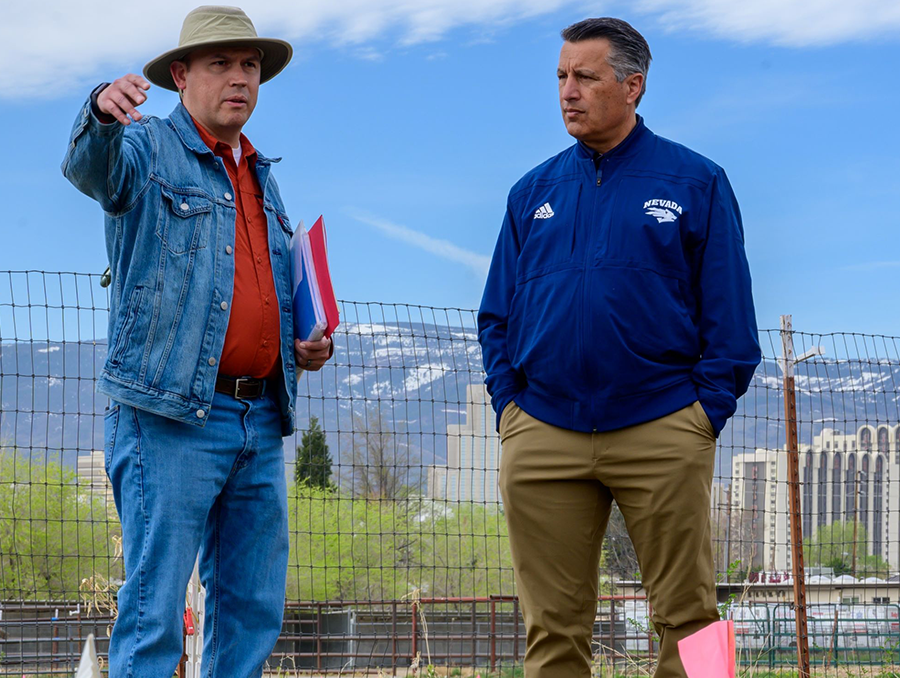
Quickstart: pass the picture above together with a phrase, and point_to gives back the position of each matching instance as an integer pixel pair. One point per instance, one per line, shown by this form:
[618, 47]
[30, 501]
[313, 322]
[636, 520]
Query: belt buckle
[237, 387]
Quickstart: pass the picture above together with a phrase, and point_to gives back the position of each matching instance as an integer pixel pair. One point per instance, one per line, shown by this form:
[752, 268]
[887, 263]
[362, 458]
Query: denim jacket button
[224, 305]
[201, 414]
[228, 249]
[228, 196]
[184, 207]
[212, 361]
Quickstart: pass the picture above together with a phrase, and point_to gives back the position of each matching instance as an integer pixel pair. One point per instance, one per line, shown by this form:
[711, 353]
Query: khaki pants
[558, 487]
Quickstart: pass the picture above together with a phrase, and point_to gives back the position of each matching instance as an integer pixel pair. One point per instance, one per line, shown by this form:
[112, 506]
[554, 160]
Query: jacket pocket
[184, 220]
[123, 336]
[549, 229]
[652, 224]
[543, 334]
[642, 338]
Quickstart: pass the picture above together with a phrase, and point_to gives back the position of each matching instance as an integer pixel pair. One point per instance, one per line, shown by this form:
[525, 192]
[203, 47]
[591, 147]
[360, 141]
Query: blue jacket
[619, 291]
[170, 215]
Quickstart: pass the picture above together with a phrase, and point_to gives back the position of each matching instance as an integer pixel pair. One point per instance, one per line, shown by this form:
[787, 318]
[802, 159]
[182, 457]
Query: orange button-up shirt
[252, 340]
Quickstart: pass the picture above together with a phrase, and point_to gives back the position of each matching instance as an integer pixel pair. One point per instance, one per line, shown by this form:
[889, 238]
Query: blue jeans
[220, 489]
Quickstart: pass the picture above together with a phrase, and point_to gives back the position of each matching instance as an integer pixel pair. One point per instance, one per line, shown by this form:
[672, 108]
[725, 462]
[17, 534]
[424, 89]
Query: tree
[53, 533]
[618, 558]
[313, 465]
[382, 466]
[832, 546]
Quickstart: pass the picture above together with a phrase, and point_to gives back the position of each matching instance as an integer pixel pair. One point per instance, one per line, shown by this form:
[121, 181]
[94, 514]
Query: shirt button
[224, 305]
[228, 249]
[228, 196]
[184, 207]
[258, 260]
[201, 414]
[212, 361]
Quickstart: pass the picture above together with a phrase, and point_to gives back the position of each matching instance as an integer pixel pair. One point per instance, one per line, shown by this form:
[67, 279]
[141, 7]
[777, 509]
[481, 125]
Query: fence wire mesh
[399, 558]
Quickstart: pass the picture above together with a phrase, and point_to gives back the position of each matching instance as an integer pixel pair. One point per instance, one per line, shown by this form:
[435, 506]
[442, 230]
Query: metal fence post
[493, 635]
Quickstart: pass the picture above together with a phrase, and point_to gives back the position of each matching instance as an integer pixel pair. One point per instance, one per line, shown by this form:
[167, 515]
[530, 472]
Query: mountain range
[416, 376]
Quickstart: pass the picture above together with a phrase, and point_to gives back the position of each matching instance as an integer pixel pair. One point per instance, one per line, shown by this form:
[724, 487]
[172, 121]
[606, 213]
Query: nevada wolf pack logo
[663, 210]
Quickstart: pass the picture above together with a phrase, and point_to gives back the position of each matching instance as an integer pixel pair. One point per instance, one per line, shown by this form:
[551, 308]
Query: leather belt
[243, 388]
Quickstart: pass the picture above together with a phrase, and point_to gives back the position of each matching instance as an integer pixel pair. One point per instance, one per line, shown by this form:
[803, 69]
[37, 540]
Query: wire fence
[399, 558]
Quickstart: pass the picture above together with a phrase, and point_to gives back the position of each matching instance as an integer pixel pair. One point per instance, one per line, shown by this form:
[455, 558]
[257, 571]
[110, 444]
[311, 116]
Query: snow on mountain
[417, 375]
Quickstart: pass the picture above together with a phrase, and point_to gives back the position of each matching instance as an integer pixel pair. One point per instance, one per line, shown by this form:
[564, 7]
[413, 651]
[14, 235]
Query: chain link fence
[399, 557]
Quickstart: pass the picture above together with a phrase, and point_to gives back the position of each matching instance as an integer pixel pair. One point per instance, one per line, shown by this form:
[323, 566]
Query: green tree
[54, 533]
[832, 546]
[313, 465]
[344, 548]
[463, 549]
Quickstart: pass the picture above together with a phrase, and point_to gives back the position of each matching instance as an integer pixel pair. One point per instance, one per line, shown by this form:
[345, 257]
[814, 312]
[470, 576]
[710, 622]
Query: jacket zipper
[599, 165]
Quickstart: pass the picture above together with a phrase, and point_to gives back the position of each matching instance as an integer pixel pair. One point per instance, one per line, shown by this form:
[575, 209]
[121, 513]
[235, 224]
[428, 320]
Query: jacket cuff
[719, 408]
[102, 118]
[500, 401]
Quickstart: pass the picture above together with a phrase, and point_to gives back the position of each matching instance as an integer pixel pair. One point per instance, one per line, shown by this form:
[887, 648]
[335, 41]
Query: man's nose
[238, 76]
[570, 90]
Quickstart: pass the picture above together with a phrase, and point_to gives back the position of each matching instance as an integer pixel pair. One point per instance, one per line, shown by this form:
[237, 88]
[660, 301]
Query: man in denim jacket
[201, 364]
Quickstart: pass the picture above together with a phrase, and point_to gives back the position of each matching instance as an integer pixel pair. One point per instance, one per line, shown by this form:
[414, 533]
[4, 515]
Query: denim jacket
[170, 221]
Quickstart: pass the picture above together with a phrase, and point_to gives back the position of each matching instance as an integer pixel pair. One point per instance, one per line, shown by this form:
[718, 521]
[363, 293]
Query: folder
[313, 299]
[709, 653]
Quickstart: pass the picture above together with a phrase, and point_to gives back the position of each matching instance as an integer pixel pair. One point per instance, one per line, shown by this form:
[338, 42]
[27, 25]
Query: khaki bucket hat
[214, 25]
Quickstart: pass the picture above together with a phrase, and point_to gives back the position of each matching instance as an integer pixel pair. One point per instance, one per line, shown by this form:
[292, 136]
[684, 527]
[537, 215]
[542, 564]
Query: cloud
[445, 249]
[52, 47]
[792, 23]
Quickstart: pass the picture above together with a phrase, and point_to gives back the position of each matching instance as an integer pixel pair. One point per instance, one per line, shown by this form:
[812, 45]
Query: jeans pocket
[110, 426]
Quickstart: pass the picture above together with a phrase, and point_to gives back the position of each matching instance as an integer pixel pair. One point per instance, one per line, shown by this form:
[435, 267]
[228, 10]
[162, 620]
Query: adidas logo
[544, 211]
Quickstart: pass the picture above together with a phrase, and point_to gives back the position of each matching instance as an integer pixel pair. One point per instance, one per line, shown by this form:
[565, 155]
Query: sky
[406, 123]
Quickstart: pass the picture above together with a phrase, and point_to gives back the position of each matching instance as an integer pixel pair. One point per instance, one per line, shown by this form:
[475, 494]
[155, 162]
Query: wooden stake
[790, 420]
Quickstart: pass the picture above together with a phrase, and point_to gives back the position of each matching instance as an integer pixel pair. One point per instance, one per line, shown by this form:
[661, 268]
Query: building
[820, 590]
[473, 455]
[92, 478]
[843, 477]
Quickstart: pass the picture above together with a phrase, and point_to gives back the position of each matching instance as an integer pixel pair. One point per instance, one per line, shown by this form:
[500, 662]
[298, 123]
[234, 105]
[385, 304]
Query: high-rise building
[843, 477]
[473, 455]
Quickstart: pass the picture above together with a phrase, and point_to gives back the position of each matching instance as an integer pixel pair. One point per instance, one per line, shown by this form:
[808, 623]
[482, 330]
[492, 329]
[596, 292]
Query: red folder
[319, 244]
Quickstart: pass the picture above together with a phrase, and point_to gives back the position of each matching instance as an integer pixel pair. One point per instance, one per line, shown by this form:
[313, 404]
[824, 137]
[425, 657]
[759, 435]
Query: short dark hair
[629, 52]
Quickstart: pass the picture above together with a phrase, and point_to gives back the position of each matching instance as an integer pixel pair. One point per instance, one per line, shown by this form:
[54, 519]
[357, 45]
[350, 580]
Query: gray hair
[629, 52]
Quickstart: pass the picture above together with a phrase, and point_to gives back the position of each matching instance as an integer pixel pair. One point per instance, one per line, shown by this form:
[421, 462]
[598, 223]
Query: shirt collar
[623, 148]
[222, 149]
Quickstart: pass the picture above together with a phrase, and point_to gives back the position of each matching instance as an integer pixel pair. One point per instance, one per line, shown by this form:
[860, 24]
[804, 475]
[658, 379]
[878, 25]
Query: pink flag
[709, 653]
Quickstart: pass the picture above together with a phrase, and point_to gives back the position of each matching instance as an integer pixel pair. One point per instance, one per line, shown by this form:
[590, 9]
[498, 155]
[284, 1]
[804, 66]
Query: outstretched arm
[102, 161]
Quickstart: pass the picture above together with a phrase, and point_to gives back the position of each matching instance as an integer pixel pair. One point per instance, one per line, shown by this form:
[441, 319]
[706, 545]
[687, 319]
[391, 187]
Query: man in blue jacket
[618, 331]
[202, 359]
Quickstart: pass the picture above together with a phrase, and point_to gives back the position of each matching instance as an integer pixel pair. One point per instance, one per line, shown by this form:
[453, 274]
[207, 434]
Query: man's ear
[178, 70]
[635, 83]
